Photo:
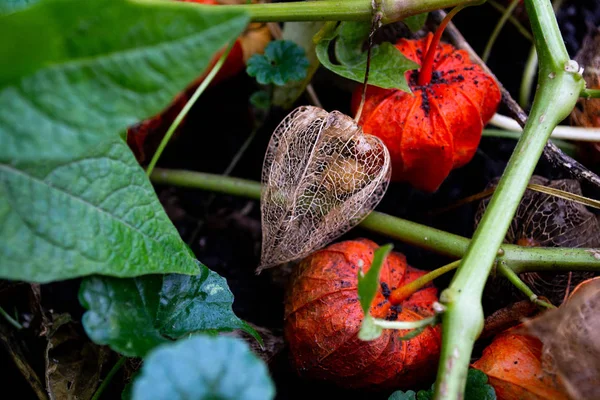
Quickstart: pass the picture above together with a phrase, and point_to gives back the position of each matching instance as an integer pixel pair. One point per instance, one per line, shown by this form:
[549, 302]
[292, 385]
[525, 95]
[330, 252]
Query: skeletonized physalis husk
[321, 176]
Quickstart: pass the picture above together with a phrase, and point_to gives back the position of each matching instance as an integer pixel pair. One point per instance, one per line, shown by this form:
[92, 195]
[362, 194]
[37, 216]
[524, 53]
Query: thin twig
[377, 15]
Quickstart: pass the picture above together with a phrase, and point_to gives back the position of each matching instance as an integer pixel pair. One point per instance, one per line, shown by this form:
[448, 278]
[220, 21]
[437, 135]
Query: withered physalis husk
[321, 176]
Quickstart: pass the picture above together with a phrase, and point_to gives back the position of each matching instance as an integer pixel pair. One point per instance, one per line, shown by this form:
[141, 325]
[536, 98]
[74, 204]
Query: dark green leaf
[477, 386]
[204, 368]
[400, 395]
[368, 283]
[133, 316]
[476, 389]
[73, 201]
[261, 100]
[388, 64]
[282, 62]
[415, 22]
[301, 33]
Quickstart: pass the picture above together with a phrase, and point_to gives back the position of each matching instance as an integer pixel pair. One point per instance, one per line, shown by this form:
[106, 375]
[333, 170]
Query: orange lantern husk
[323, 316]
[437, 127]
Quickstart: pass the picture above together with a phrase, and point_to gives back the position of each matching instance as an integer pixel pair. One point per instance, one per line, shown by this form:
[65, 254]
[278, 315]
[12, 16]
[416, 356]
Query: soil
[224, 231]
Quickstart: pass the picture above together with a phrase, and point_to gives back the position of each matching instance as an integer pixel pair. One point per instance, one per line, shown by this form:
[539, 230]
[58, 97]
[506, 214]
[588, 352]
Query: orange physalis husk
[323, 317]
[437, 127]
[513, 364]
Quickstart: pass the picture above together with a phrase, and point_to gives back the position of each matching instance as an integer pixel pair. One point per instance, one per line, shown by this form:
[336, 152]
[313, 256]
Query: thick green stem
[520, 259]
[559, 88]
[590, 93]
[345, 10]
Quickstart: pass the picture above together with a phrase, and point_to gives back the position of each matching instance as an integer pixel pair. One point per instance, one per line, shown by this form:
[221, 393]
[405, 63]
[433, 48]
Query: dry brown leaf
[321, 176]
[571, 340]
[73, 363]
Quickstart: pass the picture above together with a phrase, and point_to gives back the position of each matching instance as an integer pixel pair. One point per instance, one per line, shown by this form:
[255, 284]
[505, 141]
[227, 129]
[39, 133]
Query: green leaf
[368, 283]
[368, 329]
[476, 389]
[261, 100]
[415, 22]
[73, 201]
[94, 214]
[477, 386]
[204, 368]
[10, 6]
[400, 395]
[282, 62]
[134, 315]
[388, 64]
[301, 33]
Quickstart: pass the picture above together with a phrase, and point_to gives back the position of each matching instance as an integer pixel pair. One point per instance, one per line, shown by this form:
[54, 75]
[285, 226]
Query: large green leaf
[203, 368]
[388, 64]
[95, 214]
[74, 75]
[133, 316]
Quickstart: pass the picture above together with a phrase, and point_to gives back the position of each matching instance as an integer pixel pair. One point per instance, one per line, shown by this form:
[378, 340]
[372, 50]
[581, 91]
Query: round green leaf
[133, 316]
[203, 368]
[282, 62]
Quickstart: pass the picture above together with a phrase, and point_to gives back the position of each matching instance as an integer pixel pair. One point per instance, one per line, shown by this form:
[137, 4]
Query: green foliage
[261, 100]
[73, 201]
[133, 316]
[203, 368]
[477, 389]
[368, 284]
[415, 22]
[283, 61]
[388, 64]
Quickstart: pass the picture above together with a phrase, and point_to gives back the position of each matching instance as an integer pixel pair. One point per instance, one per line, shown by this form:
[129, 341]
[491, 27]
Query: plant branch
[590, 93]
[520, 259]
[341, 10]
[552, 153]
[559, 88]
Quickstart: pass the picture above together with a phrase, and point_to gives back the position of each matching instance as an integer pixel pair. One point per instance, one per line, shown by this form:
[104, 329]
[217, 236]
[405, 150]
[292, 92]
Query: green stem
[341, 10]
[568, 148]
[404, 325]
[590, 93]
[186, 108]
[108, 378]
[521, 259]
[519, 284]
[522, 30]
[505, 16]
[559, 88]
[10, 319]
[528, 77]
[402, 293]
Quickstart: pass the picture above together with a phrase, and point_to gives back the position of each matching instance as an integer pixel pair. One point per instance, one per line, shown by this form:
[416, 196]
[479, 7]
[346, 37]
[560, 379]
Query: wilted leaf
[513, 364]
[321, 176]
[73, 364]
[73, 201]
[388, 64]
[550, 221]
[203, 368]
[133, 316]
[282, 62]
[571, 340]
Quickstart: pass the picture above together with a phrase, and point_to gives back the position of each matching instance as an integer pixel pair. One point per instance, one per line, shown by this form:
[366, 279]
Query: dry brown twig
[552, 153]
